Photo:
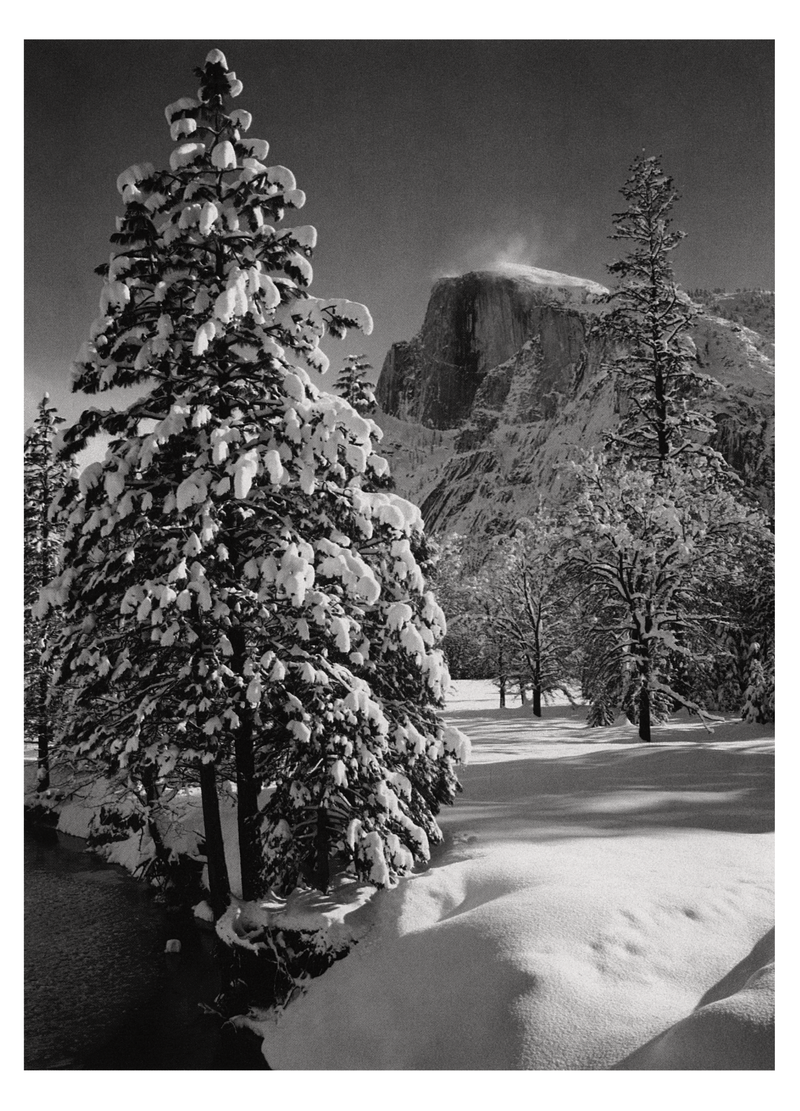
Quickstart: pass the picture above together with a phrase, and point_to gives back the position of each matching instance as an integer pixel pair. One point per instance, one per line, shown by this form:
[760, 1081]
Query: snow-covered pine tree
[353, 386]
[231, 590]
[647, 324]
[660, 459]
[44, 477]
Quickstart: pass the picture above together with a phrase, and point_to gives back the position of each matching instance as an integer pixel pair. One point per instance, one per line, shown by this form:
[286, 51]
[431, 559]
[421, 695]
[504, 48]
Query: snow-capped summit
[501, 386]
[534, 275]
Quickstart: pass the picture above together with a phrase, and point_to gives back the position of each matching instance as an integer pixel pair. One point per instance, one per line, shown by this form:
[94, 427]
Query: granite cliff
[500, 388]
[472, 324]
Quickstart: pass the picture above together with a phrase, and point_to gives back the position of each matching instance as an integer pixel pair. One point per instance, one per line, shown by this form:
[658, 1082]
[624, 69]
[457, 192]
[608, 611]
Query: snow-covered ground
[599, 904]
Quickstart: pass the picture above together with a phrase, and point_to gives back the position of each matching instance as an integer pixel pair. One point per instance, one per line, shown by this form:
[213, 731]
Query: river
[99, 991]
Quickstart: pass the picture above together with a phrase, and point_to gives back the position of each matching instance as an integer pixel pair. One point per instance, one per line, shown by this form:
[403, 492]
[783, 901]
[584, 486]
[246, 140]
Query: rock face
[472, 324]
[502, 387]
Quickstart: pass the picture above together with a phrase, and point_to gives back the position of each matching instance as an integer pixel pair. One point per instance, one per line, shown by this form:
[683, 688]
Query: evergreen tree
[353, 386]
[662, 534]
[648, 323]
[44, 477]
[232, 593]
[759, 699]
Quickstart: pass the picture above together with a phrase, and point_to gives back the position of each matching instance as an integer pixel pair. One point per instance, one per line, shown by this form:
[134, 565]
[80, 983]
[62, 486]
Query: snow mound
[331, 922]
[508, 961]
[593, 909]
[735, 1029]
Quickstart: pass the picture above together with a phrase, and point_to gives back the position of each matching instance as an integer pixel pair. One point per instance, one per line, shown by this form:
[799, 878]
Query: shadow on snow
[516, 789]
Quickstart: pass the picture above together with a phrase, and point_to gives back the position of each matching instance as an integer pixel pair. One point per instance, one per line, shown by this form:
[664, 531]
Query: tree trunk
[218, 883]
[247, 809]
[152, 794]
[502, 677]
[247, 786]
[537, 701]
[322, 874]
[644, 714]
[44, 734]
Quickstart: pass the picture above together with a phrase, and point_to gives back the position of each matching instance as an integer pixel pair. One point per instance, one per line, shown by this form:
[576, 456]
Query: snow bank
[594, 908]
[329, 923]
[733, 1028]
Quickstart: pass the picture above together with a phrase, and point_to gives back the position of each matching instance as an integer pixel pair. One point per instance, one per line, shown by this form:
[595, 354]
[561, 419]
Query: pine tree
[759, 698]
[232, 593]
[648, 323]
[353, 386]
[44, 477]
[659, 513]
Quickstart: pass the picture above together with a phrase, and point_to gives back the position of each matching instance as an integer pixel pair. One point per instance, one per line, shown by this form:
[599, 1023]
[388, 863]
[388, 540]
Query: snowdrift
[734, 1028]
[599, 904]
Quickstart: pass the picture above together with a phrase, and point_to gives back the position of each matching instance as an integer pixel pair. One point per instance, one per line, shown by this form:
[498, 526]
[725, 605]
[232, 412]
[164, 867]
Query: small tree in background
[466, 647]
[746, 635]
[759, 697]
[353, 386]
[232, 593]
[534, 607]
[476, 645]
[44, 478]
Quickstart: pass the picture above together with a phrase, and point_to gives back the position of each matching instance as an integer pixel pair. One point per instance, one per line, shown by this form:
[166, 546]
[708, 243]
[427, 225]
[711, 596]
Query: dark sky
[419, 158]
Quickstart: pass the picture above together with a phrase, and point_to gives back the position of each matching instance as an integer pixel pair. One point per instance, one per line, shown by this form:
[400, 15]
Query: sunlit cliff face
[500, 388]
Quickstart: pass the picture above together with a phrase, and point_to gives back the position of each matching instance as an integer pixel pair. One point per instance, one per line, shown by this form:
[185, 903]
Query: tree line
[651, 585]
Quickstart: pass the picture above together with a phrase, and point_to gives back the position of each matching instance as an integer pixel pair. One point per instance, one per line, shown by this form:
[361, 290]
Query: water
[99, 991]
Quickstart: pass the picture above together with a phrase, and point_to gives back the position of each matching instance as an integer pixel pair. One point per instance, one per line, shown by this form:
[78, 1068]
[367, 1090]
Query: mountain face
[501, 388]
[472, 324]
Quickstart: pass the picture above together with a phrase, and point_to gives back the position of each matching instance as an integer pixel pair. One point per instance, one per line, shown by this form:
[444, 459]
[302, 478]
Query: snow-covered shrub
[759, 698]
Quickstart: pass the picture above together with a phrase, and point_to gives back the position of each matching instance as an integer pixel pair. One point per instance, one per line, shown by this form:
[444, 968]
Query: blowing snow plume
[496, 251]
